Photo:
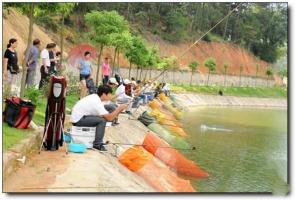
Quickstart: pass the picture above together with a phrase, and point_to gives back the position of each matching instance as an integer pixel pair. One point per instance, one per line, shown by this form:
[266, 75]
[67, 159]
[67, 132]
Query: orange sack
[138, 160]
[171, 157]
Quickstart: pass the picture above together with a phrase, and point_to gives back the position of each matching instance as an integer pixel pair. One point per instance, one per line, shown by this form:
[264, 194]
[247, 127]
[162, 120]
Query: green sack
[146, 119]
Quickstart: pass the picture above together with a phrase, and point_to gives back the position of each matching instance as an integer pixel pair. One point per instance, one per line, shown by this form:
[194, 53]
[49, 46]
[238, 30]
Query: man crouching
[91, 112]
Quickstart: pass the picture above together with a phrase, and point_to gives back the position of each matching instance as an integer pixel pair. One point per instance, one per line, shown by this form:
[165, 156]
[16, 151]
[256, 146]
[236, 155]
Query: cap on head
[113, 81]
[126, 81]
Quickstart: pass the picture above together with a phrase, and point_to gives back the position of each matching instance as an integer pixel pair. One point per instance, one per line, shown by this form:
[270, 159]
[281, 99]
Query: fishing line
[233, 10]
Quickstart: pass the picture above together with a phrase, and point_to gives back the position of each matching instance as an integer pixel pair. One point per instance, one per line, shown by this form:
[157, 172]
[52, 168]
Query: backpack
[18, 113]
[90, 85]
[146, 119]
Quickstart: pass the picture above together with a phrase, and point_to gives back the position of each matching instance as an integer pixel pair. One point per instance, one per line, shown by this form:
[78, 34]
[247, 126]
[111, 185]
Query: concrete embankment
[190, 99]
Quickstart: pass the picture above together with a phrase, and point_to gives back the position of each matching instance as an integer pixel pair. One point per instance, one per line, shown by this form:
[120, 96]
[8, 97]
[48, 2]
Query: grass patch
[13, 136]
[271, 92]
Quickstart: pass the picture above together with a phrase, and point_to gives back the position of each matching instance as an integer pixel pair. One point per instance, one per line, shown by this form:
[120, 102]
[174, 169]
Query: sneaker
[115, 123]
[108, 124]
[100, 148]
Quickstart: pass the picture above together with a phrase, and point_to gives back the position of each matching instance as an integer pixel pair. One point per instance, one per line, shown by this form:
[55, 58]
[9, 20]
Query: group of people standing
[49, 61]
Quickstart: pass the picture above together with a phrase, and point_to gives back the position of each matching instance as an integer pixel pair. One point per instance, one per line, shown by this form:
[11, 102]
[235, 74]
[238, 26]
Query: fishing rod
[233, 10]
[143, 145]
[196, 42]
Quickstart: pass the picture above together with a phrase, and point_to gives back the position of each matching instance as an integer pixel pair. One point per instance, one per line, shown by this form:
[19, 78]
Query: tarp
[143, 163]
[171, 157]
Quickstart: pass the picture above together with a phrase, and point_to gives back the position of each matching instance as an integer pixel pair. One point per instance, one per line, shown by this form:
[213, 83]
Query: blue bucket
[67, 138]
[77, 148]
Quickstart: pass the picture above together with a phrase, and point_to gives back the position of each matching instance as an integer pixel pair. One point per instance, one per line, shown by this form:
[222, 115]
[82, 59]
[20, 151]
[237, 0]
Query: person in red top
[106, 71]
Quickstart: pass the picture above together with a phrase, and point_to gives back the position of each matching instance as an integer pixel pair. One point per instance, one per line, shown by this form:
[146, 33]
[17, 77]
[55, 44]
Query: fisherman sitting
[122, 97]
[91, 112]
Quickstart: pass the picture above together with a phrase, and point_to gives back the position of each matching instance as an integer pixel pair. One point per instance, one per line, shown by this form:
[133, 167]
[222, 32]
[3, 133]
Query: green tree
[137, 53]
[241, 70]
[210, 63]
[256, 74]
[101, 26]
[121, 42]
[283, 72]
[225, 67]
[153, 60]
[193, 66]
[268, 73]
[64, 10]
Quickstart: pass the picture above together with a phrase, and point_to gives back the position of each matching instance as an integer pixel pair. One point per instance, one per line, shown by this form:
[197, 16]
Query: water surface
[243, 149]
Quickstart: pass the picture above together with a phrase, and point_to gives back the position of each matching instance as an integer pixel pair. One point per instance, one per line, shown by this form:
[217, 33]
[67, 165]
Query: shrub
[33, 94]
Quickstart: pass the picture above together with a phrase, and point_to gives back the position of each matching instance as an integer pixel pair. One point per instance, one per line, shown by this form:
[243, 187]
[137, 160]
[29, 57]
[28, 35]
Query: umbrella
[77, 53]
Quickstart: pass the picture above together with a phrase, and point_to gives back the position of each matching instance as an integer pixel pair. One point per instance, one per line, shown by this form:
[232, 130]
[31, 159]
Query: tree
[63, 9]
[153, 60]
[137, 53]
[121, 42]
[283, 72]
[210, 63]
[268, 72]
[193, 66]
[225, 67]
[102, 25]
[241, 70]
[30, 9]
[257, 69]
[166, 64]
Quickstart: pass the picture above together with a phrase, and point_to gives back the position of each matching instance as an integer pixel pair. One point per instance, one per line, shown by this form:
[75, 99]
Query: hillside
[15, 25]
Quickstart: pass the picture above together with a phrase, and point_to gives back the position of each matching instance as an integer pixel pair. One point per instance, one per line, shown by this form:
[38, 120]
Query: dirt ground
[93, 171]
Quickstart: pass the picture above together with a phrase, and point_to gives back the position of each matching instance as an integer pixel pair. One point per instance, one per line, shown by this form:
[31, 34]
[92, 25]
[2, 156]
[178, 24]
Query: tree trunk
[137, 72]
[240, 79]
[25, 60]
[191, 78]
[255, 79]
[225, 79]
[118, 58]
[173, 76]
[114, 62]
[225, 28]
[62, 43]
[267, 80]
[140, 72]
[208, 78]
[150, 72]
[145, 74]
[98, 63]
[130, 70]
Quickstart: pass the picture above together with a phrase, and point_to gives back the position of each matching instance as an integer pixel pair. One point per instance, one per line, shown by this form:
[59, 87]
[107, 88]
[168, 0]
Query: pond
[243, 149]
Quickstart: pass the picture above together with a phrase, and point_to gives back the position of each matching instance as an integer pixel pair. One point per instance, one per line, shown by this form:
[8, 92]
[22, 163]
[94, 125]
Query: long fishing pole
[143, 145]
[233, 10]
[196, 42]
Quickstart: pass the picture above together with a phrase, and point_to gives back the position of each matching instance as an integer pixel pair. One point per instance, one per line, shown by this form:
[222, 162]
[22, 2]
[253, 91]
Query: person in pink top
[106, 71]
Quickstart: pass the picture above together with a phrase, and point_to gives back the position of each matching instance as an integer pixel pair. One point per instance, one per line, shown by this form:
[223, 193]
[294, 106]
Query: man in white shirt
[122, 97]
[45, 63]
[91, 112]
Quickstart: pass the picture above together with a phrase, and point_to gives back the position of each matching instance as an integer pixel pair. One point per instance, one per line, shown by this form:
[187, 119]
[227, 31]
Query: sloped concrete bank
[191, 99]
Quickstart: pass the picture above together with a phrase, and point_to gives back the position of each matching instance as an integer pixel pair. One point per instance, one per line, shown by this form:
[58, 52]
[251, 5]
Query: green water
[243, 150]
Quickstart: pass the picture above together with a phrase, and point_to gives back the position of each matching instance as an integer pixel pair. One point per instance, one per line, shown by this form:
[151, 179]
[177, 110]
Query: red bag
[18, 113]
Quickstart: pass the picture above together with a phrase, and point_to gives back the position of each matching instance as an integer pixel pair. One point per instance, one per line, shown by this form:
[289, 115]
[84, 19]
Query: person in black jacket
[10, 62]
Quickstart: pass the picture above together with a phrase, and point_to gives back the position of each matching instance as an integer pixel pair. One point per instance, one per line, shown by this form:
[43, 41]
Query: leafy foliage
[210, 63]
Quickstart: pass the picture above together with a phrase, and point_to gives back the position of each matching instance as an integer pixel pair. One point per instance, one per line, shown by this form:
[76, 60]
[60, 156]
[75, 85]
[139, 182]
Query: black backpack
[18, 113]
